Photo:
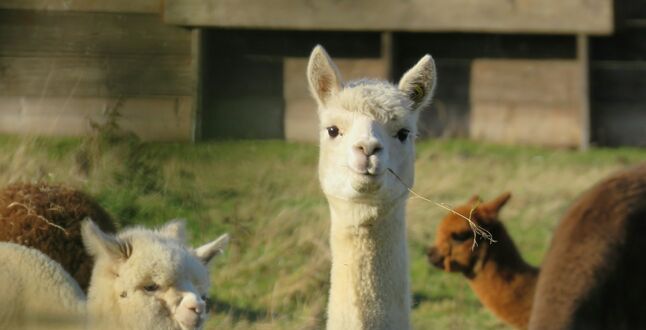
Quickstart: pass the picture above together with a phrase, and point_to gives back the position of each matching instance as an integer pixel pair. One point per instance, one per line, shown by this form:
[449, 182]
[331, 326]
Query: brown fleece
[497, 273]
[594, 275]
[26, 209]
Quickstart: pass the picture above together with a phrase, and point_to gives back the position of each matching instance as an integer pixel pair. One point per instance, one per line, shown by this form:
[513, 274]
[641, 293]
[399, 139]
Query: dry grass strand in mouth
[475, 228]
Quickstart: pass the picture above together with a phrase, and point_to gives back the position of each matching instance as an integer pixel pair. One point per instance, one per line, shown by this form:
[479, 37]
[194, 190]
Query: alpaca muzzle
[435, 258]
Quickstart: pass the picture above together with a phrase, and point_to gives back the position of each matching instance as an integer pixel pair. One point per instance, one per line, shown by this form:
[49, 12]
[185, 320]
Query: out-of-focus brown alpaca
[594, 274]
[48, 218]
[497, 273]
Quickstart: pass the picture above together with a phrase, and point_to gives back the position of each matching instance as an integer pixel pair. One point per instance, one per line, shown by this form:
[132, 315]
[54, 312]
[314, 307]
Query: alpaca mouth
[191, 322]
[366, 183]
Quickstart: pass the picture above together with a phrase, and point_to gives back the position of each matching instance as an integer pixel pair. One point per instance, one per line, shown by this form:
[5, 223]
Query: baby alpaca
[48, 218]
[367, 130]
[496, 272]
[142, 279]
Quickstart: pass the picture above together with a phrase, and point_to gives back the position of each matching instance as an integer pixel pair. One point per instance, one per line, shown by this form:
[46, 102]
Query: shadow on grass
[238, 313]
[420, 298]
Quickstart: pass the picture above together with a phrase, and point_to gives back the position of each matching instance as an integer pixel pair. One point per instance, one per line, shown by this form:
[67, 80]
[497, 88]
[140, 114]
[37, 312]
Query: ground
[266, 195]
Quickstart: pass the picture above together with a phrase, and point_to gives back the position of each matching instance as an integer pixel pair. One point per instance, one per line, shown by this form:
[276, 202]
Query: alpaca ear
[175, 229]
[99, 244]
[474, 199]
[208, 251]
[323, 76]
[419, 82]
[493, 207]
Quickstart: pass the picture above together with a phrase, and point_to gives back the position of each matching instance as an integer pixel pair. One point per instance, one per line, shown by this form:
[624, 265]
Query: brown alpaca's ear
[474, 199]
[492, 207]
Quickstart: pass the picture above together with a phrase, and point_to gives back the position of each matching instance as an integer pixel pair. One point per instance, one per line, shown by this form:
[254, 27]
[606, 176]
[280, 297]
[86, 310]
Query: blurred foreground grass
[266, 194]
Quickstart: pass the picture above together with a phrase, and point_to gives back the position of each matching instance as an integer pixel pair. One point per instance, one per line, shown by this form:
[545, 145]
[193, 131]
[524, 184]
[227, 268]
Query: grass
[266, 194]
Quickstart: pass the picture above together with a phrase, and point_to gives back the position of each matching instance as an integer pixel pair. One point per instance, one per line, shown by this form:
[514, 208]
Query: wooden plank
[523, 81]
[119, 6]
[527, 102]
[530, 16]
[525, 124]
[300, 120]
[197, 69]
[96, 76]
[152, 119]
[72, 33]
[582, 61]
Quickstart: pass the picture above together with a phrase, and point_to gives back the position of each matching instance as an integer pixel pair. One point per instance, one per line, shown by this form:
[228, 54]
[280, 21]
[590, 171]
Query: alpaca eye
[151, 288]
[402, 134]
[333, 131]
[462, 236]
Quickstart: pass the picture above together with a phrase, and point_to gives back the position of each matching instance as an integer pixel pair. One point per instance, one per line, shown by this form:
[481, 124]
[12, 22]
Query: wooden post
[582, 56]
[387, 50]
[196, 52]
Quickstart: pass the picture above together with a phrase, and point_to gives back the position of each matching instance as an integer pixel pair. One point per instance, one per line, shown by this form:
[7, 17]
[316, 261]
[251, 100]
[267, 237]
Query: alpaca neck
[369, 277]
[505, 283]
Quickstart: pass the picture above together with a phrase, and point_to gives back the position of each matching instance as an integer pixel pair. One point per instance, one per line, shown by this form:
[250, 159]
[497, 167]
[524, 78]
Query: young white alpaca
[367, 129]
[142, 279]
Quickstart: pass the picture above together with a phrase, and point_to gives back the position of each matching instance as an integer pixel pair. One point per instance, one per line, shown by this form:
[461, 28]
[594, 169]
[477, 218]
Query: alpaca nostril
[368, 148]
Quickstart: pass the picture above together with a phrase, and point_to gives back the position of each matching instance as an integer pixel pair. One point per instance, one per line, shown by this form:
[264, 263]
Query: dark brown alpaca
[594, 274]
[48, 218]
[497, 273]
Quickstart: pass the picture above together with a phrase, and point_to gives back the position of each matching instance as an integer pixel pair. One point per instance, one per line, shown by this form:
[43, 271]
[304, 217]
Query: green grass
[266, 194]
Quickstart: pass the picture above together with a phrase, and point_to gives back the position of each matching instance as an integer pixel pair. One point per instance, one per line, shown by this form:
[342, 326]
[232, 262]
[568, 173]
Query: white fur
[35, 290]
[126, 266]
[369, 277]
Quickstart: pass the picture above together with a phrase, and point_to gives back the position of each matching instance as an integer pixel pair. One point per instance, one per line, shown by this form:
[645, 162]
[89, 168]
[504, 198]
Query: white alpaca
[368, 128]
[142, 279]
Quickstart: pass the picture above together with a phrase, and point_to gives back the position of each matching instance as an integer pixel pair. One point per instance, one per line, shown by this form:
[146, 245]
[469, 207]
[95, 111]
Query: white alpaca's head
[366, 128]
[145, 279]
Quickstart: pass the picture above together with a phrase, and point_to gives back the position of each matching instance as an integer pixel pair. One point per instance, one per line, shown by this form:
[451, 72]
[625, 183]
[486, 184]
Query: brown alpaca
[48, 218]
[497, 273]
[594, 275]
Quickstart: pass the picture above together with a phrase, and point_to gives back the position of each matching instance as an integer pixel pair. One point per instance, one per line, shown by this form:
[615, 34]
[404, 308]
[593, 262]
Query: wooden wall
[449, 114]
[527, 102]
[618, 80]
[64, 63]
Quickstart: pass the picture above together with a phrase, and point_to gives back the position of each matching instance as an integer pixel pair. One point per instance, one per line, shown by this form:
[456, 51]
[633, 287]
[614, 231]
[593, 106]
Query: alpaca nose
[368, 147]
[434, 257]
[195, 305]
